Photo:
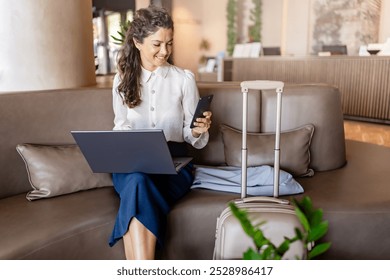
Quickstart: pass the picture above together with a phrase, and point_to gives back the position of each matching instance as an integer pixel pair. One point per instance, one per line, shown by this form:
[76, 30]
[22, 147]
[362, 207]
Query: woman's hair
[146, 22]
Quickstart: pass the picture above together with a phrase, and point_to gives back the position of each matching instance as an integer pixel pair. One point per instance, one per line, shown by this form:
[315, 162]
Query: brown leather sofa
[350, 183]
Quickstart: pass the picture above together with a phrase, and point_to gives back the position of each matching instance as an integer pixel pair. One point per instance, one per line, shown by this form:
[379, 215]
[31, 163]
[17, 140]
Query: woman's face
[156, 48]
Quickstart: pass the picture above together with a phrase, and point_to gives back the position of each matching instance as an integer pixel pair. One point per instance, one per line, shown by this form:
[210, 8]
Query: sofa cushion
[317, 104]
[227, 109]
[67, 227]
[58, 169]
[355, 201]
[294, 145]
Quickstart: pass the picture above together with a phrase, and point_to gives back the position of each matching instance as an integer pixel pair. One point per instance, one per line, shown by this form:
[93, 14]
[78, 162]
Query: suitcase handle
[262, 199]
[260, 85]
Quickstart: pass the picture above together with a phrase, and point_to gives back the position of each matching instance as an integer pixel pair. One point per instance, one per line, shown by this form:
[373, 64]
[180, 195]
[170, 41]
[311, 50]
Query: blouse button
[153, 91]
[151, 108]
[153, 125]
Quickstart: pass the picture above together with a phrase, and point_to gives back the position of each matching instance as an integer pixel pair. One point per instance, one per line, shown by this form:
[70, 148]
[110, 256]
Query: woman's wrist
[195, 134]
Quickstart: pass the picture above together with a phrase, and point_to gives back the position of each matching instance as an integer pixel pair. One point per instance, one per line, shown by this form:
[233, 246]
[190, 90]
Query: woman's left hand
[202, 125]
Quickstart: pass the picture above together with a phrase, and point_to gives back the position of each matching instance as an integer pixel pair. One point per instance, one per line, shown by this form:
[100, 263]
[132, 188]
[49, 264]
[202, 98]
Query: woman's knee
[138, 177]
[130, 180]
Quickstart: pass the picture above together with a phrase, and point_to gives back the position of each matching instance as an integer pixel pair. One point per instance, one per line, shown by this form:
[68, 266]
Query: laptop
[126, 151]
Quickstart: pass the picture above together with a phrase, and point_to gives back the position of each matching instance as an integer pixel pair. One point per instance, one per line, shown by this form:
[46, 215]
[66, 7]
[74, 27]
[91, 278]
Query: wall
[214, 24]
[188, 33]
[46, 44]
[286, 23]
[195, 20]
[384, 29]
[345, 22]
[141, 4]
[272, 30]
[295, 27]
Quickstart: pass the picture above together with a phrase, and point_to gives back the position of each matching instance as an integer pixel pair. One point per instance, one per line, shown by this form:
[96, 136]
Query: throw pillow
[58, 169]
[294, 146]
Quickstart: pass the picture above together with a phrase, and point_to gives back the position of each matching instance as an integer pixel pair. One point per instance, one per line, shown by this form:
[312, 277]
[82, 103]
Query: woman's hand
[202, 125]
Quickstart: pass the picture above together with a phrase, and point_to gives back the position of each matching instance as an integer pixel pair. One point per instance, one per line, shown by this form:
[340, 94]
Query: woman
[149, 92]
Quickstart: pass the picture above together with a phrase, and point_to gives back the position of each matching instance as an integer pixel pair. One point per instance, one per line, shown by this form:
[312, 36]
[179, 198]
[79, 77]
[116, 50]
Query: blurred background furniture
[363, 81]
[335, 49]
[271, 51]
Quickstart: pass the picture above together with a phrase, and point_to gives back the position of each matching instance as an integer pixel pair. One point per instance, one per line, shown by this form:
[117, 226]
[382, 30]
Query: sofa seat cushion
[73, 226]
[192, 223]
[355, 200]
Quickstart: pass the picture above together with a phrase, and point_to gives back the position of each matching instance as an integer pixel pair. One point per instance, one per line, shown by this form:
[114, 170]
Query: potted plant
[231, 26]
[124, 26]
[314, 228]
[255, 17]
[203, 46]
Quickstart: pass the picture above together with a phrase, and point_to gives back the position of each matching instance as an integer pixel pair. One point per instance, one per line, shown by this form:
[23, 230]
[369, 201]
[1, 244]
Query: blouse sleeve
[120, 109]
[190, 100]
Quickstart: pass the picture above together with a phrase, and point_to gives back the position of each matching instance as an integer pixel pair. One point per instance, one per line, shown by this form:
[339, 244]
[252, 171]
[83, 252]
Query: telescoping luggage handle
[260, 85]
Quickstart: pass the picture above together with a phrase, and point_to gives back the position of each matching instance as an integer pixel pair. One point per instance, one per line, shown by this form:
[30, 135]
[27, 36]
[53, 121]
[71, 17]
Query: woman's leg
[139, 242]
[141, 215]
[143, 209]
[128, 245]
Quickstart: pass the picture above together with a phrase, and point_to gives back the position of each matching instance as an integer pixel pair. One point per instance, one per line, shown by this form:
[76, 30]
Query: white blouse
[169, 97]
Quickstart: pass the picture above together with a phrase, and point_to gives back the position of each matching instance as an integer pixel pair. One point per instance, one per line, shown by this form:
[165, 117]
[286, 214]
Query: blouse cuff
[199, 142]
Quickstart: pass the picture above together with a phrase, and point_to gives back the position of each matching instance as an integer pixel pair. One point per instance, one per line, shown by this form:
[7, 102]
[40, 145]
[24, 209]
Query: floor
[103, 81]
[378, 134]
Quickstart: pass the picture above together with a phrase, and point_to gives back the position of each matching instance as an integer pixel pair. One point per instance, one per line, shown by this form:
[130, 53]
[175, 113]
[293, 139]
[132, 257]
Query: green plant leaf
[251, 254]
[283, 247]
[318, 231]
[299, 234]
[259, 239]
[122, 35]
[318, 250]
[115, 38]
[313, 229]
[231, 17]
[307, 205]
[316, 217]
[258, 225]
[269, 252]
[242, 216]
[302, 218]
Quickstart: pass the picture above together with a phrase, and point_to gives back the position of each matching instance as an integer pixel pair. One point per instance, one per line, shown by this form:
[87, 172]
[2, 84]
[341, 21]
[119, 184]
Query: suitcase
[277, 215]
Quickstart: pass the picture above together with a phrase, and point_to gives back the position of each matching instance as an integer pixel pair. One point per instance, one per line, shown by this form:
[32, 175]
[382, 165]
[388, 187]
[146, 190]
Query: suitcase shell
[232, 241]
[279, 216]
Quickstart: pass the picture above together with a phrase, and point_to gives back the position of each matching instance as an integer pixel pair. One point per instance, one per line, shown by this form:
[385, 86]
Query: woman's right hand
[202, 125]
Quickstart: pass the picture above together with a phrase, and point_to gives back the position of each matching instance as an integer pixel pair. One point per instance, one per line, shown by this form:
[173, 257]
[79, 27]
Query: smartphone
[203, 106]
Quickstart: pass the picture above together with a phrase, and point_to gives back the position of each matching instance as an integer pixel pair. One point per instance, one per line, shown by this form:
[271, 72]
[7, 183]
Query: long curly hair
[146, 22]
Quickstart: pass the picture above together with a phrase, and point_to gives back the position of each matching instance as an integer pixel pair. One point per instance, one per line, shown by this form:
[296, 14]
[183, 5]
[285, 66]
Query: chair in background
[335, 49]
[271, 51]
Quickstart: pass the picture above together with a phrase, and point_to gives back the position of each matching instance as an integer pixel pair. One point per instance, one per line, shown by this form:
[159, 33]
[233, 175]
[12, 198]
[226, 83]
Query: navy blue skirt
[149, 198]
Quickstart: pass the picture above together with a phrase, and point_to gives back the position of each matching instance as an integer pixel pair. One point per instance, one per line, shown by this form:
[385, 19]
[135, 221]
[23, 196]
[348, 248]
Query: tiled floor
[360, 131]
